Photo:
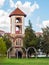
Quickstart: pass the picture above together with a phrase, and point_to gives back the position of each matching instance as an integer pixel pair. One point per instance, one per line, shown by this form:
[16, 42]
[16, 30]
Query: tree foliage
[40, 41]
[30, 38]
[3, 48]
[7, 41]
[45, 40]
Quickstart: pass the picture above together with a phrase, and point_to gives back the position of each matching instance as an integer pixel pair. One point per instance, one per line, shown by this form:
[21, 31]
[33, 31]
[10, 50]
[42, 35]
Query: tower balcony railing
[18, 23]
[18, 46]
[18, 32]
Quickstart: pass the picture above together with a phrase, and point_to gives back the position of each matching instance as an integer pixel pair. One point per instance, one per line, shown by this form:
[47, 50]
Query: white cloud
[2, 2]
[11, 3]
[45, 23]
[4, 21]
[34, 6]
[39, 25]
[27, 7]
[27, 4]
[18, 4]
[41, 31]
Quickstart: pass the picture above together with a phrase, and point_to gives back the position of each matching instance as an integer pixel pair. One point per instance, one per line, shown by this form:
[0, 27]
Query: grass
[30, 61]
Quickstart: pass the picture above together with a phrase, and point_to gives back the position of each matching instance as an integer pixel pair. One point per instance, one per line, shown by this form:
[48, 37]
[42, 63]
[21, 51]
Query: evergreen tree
[30, 38]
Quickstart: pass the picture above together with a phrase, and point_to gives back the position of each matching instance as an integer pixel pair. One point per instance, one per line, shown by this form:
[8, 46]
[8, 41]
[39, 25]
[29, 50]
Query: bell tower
[17, 27]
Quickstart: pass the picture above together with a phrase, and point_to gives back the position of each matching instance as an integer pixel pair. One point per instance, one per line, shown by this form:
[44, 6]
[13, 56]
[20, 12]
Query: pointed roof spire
[17, 11]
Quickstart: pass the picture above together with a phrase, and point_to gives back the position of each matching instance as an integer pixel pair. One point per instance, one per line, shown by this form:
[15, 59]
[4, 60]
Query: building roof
[39, 34]
[17, 11]
[2, 31]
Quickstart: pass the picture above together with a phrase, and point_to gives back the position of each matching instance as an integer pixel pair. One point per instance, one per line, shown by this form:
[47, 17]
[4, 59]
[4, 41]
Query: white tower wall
[13, 24]
[22, 24]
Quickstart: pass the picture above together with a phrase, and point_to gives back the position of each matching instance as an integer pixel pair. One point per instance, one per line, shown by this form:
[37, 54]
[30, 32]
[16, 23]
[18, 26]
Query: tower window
[18, 41]
[18, 29]
[18, 20]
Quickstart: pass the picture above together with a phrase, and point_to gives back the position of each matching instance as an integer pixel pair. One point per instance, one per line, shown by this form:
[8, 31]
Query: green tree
[7, 41]
[3, 48]
[40, 41]
[30, 38]
[45, 45]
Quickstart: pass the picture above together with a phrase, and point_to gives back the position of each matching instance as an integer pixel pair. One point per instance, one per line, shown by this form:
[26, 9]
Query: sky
[37, 12]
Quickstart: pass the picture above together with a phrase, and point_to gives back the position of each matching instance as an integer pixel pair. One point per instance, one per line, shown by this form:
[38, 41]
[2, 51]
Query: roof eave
[17, 14]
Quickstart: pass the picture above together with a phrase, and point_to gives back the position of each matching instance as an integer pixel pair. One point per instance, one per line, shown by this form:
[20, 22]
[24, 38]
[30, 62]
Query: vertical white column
[23, 25]
[13, 24]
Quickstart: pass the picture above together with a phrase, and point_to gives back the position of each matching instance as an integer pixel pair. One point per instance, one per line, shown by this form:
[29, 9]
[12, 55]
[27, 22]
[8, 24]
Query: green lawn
[33, 61]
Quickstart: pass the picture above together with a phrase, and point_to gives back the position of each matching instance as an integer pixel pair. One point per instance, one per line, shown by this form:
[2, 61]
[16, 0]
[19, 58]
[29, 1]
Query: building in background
[2, 33]
[39, 34]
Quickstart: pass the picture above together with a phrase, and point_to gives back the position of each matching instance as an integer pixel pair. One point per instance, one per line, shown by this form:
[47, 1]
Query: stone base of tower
[18, 53]
[16, 50]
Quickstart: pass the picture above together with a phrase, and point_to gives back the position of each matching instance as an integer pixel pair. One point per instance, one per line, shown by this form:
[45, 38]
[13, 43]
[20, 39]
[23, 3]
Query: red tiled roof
[17, 11]
[38, 33]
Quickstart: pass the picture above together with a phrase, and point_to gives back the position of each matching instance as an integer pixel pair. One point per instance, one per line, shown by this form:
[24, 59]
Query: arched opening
[31, 52]
[18, 54]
